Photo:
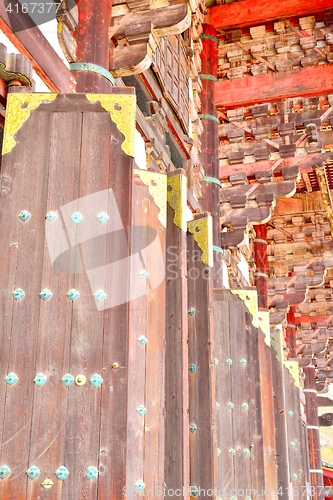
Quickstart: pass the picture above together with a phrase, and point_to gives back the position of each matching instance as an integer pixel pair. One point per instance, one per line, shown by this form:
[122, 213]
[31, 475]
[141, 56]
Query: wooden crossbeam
[249, 13]
[316, 80]
[313, 319]
[32, 44]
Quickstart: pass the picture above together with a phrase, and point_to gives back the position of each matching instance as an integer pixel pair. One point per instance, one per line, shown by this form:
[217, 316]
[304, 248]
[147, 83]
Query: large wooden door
[81, 303]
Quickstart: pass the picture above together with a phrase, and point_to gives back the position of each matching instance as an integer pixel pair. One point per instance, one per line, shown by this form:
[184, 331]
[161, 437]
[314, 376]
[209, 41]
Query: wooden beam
[249, 13]
[305, 164]
[32, 44]
[316, 80]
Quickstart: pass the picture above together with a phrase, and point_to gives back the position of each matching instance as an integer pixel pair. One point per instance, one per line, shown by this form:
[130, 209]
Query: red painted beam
[313, 319]
[32, 44]
[316, 80]
[250, 13]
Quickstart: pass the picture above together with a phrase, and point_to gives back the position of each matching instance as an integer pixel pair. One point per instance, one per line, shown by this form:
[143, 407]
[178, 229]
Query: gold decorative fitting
[177, 199]
[202, 231]
[19, 107]
[260, 319]
[157, 187]
[47, 483]
[115, 365]
[122, 109]
[80, 380]
[276, 343]
[293, 369]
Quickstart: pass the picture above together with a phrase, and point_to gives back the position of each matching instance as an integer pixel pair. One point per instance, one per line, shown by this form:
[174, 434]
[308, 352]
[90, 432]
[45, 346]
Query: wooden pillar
[261, 262]
[209, 140]
[93, 44]
[311, 410]
[291, 333]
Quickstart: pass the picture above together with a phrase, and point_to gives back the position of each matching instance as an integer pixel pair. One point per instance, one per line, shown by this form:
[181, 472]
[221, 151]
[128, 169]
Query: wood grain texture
[251, 13]
[202, 396]
[308, 82]
[176, 359]
[22, 249]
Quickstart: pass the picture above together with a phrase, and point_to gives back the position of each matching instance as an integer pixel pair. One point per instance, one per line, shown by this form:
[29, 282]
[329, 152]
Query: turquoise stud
[141, 410]
[194, 491]
[290, 413]
[142, 340]
[247, 452]
[51, 216]
[229, 361]
[245, 406]
[96, 380]
[91, 473]
[40, 379]
[140, 485]
[232, 452]
[217, 405]
[216, 361]
[4, 472]
[100, 295]
[11, 378]
[193, 428]
[192, 368]
[18, 294]
[73, 294]
[67, 380]
[33, 472]
[24, 216]
[292, 444]
[143, 274]
[191, 311]
[45, 294]
[77, 217]
[102, 217]
[62, 473]
[243, 362]
[294, 476]
[218, 452]
[230, 405]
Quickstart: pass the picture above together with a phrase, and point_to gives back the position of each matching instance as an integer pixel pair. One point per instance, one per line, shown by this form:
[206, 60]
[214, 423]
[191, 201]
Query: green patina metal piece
[177, 199]
[51, 216]
[202, 231]
[4, 472]
[33, 472]
[142, 340]
[192, 368]
[25, 216]
[140, 485]
[62, 473]
[45, 294]
[92, 68]
[102, 217]
[77, 217]
[67, 380]
[141, 410]
[11, 378]
[230, 405]
[18, 294]
[96, 380]
[193, 428]
[73, 294]
[40, 379]
[100, 295]
[91, 473]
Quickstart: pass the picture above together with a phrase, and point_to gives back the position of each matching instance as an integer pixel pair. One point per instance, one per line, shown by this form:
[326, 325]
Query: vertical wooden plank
[202, 394]
[223, 368]
[257, 459]
[240, 396]
[155, 359]
[22, 250]
[176, 349]
[48, 429]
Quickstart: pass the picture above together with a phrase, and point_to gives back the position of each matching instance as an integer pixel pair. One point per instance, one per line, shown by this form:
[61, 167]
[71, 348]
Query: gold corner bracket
[202, 230]
[157, 187]
[177, 199]
[260, 319]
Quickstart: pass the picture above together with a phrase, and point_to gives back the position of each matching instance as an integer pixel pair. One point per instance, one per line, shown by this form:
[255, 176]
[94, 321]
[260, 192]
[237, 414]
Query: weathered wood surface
[80, 426]
[308, 82]
[280, 417]
[202, 396]
[239, 420]
[177, 474]
[30, 42]
[250, 13]
[311, 411]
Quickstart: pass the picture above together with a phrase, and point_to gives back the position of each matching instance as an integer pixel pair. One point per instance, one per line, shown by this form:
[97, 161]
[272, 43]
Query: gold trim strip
[293, 369]
[260, 319]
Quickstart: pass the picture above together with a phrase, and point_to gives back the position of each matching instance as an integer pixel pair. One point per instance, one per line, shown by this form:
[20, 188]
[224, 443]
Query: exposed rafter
[247, 12]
